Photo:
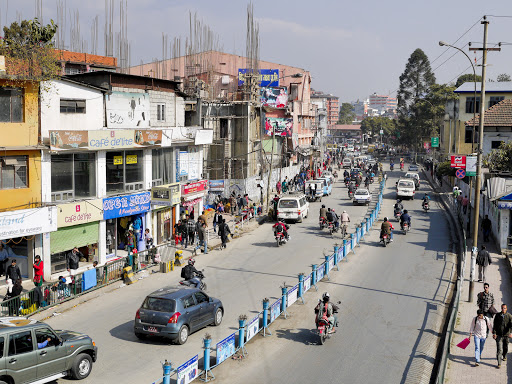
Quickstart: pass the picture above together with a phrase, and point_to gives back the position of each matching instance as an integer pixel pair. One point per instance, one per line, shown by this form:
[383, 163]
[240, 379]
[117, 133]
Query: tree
[373, 124]
[503, 77]
[468, 77]
[500, 160]
[347, 115]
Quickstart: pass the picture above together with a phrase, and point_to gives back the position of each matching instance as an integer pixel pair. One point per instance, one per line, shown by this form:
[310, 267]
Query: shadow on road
[305, 336]
[247, 271]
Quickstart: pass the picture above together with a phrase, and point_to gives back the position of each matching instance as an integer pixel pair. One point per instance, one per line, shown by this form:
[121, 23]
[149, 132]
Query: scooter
[398, 214]
[406, 227]
[200, 277]
[426, 206]
[391, 167]
[280, 238]
[324, 327]
[385, 239]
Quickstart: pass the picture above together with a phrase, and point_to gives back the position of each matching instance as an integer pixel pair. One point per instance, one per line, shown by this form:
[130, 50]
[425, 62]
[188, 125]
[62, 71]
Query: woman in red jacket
[38, 271]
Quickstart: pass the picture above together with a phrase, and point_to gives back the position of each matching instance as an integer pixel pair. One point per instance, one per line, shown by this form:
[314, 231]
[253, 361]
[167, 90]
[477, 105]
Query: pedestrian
[73, 258]
[223, 233]
[485, 300]
[99, 272]
[201, 235]
[148, 239]
[480, 328]
[215, 218]
[130, 241]
[202, 218]
[501, 332]
[278, 187]
[483, 260]
[14, 293]
[465, 202]
[241, 202]
[38, 271]
[13, 272]
[232, 202]
[5, 252]
[486, 228]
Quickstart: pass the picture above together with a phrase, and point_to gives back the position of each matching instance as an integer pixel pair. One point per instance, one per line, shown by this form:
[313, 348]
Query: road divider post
[301, 288]
[207, 342]
[337, 252]
[242, 320]
[167, 367]
[284, 291]
[265, 317]
[326, 270]
[313, 276]
[345, 250]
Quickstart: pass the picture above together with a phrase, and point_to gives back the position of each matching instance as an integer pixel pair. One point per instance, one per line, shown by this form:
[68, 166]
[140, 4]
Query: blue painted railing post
[301, 288]
[336, 257]
[367, 225]
[265, 317]
[284, 292]
[345, 250]
[167, 372]
[313, 276]
[241, 334]
[326, 270]
[353, 242]
[207, 342]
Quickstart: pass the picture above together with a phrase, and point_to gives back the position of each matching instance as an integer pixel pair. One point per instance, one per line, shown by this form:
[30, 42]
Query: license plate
[152, 329]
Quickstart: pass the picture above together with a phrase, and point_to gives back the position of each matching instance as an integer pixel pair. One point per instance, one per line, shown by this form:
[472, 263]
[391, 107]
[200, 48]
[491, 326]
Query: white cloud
[268, 24]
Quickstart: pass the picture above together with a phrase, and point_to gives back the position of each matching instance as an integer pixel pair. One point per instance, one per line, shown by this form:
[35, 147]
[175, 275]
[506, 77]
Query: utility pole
[478, 182]
[270, 170]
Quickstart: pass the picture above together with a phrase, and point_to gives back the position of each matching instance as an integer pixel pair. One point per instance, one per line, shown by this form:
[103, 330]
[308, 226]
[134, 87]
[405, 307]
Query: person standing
[486, 228]
[215, 218]
[38, 271]
[148, 239]
[483, 260]
[14, 293]
[73, 259]
[232, 203]
[465, 202]
[13, 272]
[5, 252]
[485, 300]
[278, 187]
[177, 234]
[480, 328]
[191, 229]
[501, 333]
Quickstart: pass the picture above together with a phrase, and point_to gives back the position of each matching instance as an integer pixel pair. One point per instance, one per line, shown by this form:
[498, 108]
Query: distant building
[382, 103]
[74, 63]
[360, 109]
[329, 102]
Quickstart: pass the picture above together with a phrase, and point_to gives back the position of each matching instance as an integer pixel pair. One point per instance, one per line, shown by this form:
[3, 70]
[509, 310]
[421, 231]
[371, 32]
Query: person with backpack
[189, 273]
[480, 328]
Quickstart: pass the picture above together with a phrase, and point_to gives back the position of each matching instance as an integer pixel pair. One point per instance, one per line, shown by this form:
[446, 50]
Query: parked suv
[32, 352]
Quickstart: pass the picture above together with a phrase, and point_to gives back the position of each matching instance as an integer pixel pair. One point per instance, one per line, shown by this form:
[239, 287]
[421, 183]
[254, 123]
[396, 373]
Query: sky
[352, 49]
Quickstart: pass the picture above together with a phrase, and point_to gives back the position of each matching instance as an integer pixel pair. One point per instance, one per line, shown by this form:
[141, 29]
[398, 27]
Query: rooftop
[490, 87]
[499, 115]
[345, 127]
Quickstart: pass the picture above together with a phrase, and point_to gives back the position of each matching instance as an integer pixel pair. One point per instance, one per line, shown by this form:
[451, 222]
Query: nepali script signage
[198, 186]
[127, 205]
[266, 77]
[104, 139]
[27, 222]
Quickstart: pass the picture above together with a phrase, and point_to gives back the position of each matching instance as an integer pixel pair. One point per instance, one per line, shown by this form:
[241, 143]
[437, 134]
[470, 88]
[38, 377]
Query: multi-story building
[360, 109]
[382, 103]
[330, 103]
[73, 63]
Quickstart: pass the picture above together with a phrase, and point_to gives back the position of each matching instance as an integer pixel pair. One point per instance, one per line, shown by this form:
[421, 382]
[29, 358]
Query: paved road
[250, 269]
[392, 308]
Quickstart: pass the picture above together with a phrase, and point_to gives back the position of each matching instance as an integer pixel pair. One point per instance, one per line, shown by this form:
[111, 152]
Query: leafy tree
[467, 78]
[500, 160]
[503, 77]
[372, 125]
[347, 114]
[445, 169]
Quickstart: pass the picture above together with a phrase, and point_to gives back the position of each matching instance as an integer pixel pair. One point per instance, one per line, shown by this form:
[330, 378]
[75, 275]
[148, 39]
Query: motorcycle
[322, 222]
[332, 227]
[385, 239]
[426, 206]
[398, 214]
[280, 238]
[347, 182]
[351, 194]
[391, 167]
[405, 228]
[324, 327]
[200, 276]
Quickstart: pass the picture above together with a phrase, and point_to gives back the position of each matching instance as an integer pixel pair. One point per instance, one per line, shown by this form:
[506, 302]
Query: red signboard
[197, 186]
[458, 162]
[426, 145]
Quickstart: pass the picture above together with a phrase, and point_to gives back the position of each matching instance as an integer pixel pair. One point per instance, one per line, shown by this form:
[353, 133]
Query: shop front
[78, 226]
[21, 236]
[125, 218]
[192, 196]
[165, 200]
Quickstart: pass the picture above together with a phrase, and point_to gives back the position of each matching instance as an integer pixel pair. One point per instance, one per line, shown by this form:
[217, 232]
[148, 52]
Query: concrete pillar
[102, 243]
[148, 167]
[101, 174]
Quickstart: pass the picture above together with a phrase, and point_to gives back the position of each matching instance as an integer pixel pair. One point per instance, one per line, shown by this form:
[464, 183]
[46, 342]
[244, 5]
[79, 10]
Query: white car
[347, 163]
[350, 148]
[405, 189]
[415, 177]
[362, 196]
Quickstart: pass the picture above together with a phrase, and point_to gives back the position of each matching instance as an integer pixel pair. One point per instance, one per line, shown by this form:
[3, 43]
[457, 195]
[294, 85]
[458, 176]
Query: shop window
[125, 171]
[13, 172]
[72, 106]
[73, 176]
[11, 105]
[162, 166]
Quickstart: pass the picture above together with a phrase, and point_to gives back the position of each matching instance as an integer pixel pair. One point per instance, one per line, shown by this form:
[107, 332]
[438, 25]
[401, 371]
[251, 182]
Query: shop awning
[78, 236]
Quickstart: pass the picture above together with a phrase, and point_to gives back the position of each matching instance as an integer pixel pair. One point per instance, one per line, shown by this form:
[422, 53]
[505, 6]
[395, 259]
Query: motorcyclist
[405, 218]
[367, 182]
[189, 273]
[426, 199]
[391, 165]
[325, 310]
[346, 174]
[330, 215]
[336, 219]
[323, 212]
[351, 188]
[347, 180]
[399, 206]
[281, 227]
[386, 228]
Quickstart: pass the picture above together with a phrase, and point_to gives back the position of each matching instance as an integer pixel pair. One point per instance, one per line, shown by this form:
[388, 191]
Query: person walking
[480, 328]
[38, 271]
[178, 239]
[223, 233]
[501, 333]
[215, 219]
[486, 228]
[485, 300]
[483, 260]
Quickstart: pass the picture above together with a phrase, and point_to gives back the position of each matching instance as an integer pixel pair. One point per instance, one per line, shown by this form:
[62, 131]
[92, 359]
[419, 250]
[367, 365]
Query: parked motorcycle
[200, 276]
[324, 327]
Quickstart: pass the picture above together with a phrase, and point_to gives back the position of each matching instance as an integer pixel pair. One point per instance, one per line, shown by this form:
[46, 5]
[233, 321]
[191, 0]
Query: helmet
[405, 211]
[344, 211]
[385, 219]
[323, 205]
[191, 262]
[326, 296]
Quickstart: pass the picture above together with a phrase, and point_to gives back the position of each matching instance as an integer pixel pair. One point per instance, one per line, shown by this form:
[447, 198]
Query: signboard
[128, 205]
[460, 173]
[27, 222]
[118, 160]
[434, 142]
[204, 136]
[505, 204]
[130, 159]
[85, 211]
[104, 139]
[275, 310]
[471, 165]
[278, 126]
[168, 195]
[183, 163]
[381, 132]
[252, 328]
[216, 186]
[198, 186]
[320, 272]
[331, 263]
[194, 163]
[426, 145]
[458, 162]
[274, 97]
[188, 371]
[127, 110]
[225, 348]
[291, 297]
[266, 77]
[307, 283]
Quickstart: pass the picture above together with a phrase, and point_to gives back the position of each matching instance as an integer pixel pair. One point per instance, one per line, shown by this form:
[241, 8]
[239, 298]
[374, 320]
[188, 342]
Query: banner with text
[266, 77]
[27, 222]
[128, 205]
[278, 126]
[274, 97]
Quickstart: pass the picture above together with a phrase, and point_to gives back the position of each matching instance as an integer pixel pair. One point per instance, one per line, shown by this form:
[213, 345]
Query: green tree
[467, 78]
[500, 160]
[347, 114]
[372, 125]
[503, 77]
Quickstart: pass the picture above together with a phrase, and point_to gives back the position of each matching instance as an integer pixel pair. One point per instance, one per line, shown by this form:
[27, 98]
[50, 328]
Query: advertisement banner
[225, 348]
[183, 163]
[504, 204]
[458, 162]
[128, 205]
[194, 164]
[27, 222]
[216, 186]
[252, 328]
[266, 77]
[471, 165]
[274, 97]
[331, 263]
[69, 140]
[291, 296]
[278, 126]
[191, 188]
[82, 212]
[127, 110]
[320, 272]
[307, 283]
[275, 310]
[188, 371]
[168, 195]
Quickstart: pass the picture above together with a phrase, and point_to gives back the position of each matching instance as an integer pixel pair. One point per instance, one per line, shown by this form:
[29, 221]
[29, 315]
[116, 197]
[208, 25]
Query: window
[72, 106]
[201, 297]
[11, 105]
[125, 172]
[495, 100]
[162, 159]
[160, 112]
[1, 347]
[13, 172]
[496, 144]
[158, 304]
[20, 343]
[469, 134]
[43, 334]
[470, 101]
[73, 175]
[188, 302]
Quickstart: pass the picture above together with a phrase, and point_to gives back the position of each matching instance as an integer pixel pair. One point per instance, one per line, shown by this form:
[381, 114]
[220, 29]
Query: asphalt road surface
[251, 269]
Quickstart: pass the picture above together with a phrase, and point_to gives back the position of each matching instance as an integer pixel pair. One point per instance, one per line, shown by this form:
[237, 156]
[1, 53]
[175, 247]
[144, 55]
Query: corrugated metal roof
[503, 86]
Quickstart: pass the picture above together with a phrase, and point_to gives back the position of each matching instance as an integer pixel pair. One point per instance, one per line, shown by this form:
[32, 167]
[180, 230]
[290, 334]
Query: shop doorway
[20, 249]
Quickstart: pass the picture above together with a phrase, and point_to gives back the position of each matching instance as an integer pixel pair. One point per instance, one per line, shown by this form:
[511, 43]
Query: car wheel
[218, 317]
[299, 220]
[140, 336]
[82, 366]
[182, 335]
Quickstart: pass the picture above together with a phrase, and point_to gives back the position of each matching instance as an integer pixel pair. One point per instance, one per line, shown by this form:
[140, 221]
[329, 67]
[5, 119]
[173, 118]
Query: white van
[293, 208]
[405, 189]
[347, 163]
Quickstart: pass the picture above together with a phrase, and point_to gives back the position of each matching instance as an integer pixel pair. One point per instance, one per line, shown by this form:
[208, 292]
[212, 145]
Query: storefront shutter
[67, 238]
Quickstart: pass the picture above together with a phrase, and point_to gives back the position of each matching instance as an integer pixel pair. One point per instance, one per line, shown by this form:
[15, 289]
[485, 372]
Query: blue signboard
[320, 272]
[188, 371]
[127, 205]
[267, 77]
[225, 348]
[275, 310]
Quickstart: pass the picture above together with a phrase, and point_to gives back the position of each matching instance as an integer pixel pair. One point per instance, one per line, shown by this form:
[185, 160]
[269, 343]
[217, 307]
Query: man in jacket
[501, 332]
[13, 272]
[323, 212]
[386, 228]
[72, 260]
[223, 233]
[485, 300]
[483, 260]
[191, 229]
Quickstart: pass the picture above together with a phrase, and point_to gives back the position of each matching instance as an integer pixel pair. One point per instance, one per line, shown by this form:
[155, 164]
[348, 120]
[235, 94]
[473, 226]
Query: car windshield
[288, 204]
[406, 184]
[159, 304]
[361, 192]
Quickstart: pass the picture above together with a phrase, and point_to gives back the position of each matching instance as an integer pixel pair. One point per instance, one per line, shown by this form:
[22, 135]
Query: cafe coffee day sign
[82, 212]
[27, 222]
[128, 205]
